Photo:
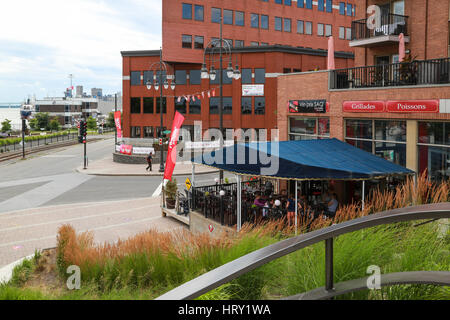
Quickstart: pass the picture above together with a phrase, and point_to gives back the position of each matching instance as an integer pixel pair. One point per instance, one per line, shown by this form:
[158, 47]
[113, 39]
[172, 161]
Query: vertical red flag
[172, 151]
[118, 126]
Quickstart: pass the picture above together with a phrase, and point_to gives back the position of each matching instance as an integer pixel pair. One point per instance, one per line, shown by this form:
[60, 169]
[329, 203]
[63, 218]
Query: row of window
[249, 105]
[181, 77]
[230, 17]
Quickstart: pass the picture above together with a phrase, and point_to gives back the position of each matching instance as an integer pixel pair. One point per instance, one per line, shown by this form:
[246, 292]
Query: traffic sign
[188, 184]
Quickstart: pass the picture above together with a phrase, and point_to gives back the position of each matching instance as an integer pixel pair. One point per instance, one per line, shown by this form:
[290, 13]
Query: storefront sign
[142, 150]
[307, 106]
[413, 106]
[126, 149]
[252, 90]
[363, 106]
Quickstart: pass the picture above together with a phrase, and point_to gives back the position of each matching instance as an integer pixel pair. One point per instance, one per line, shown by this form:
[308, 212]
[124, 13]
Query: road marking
[59, 156]
[157, 192]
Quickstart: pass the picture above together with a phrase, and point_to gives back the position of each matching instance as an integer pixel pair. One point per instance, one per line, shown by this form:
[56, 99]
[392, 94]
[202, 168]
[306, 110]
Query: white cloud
[52, 38]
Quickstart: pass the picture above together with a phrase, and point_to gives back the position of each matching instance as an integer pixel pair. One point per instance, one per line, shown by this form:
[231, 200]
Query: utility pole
[23, 138]
[161, 162]
[221, 96]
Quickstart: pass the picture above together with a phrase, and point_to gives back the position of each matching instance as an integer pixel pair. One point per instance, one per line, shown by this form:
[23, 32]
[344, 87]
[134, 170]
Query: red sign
[211, 228]
[413, 106]
[117, 122]
[172, 152]
[126, 149]
[363, 106]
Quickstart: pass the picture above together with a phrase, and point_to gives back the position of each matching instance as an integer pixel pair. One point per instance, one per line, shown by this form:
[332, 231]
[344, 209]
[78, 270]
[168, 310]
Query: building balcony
[388, 31]
[415, 73]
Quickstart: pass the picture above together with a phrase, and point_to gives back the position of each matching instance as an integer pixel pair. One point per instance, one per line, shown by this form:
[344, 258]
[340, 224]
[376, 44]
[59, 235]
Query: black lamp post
[213, 47]
[160, 67]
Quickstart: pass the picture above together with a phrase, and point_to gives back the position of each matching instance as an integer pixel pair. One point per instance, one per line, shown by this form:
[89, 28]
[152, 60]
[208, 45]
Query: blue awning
[326, 159]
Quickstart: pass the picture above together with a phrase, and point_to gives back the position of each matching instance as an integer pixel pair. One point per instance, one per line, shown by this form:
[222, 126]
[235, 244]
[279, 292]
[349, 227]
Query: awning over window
[326, 159]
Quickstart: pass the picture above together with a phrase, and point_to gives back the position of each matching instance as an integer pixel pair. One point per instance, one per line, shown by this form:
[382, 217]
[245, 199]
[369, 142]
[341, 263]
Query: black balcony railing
[418, 72]
[390, 24]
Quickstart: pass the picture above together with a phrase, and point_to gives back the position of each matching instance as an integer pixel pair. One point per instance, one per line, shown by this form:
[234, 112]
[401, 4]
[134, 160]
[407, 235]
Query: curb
[7, 271]
[81, 170]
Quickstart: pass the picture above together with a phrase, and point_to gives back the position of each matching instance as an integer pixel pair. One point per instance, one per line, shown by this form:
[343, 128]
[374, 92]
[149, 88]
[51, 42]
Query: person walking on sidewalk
[149, 161]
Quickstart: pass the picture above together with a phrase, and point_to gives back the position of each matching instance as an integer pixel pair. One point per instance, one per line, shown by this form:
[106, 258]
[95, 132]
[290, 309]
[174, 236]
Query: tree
[6, 125]
[43, 120]
[33, 124]
[91, 123]
[110, 123]
[54, 124]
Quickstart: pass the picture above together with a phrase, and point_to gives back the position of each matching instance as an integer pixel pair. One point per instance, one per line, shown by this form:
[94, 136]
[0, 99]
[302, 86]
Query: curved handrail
[438, 278]
[248, 262]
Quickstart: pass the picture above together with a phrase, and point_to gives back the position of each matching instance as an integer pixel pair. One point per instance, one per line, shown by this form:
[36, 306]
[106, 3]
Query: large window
[180, 77]
[308, 4]
[135, 132]
[164, 105]
[180, 106]
[287, 25]
[321, 5]
[308, 27]
[148, 105]
[225, 79]
[135, 105]
[246, 76]
[301, 3]
[300, 26]
[227, 16]
[199, 12]
[194, 77]
[239, 18]
[328, 30]
[329, 6]
[260, 105]
[246, 105]
[341, 32]
[384, 138]
[199, 42]
[320, 29]
[434, 149]
[227, 105]
[306, 128]
[254, 20]
[278, 23]
[148, 76]
[238, 43]
[186, 41]
[195, 107]
[264, 22]
[187, 10]
[215, 15]
[135, 78]
[260, 75]
[148, 132]
[342, 8]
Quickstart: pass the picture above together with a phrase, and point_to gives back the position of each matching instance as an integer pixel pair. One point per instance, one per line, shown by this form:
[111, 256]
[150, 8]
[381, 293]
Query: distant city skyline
[51, 39]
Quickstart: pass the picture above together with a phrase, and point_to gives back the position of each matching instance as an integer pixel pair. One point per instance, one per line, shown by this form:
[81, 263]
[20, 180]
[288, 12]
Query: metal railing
[39, 142]
[390, 24]
[418, 72]
[251, 261]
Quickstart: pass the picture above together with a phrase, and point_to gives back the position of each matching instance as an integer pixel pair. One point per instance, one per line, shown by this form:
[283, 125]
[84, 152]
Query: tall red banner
[172, 150]
[118, 126]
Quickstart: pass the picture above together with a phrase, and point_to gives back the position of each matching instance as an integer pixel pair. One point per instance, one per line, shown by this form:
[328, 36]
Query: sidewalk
[107, 167]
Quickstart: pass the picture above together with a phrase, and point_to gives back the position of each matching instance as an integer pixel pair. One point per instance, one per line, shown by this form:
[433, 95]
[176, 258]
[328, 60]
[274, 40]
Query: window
[163, 76]
[329, 6]
[246, 76]
[135, 132]
[199, 12]
[264, 22]
[260, 75]
[194, 77]
[239, 18]
[180, 106]
[148, 132]
[349, 9]
[148, 75]
[254, 43]
[320, 29]
[216, 13]
[342, 8]
[287, 25]
[186, 41]
[238, 43]
[148, 104]
[135, 105]
[328, 30]
[164, 105]
[341, 32]
[225, 79]
[306, 128]
[278, 24]
[300, 3]
[300, 26]
[227, 16]
[260, 105]
[135, 78]
[229, 41]
[195, 107]
[187, 10]
[246, 105]
[254, 20]
[308, 4]
[348, 33]
[308, 27]
[279, 1]
[320, 5]
[287, 2]
[198, 42]
[180, 77]
[264, 44]
[66, 108]
[214, 105]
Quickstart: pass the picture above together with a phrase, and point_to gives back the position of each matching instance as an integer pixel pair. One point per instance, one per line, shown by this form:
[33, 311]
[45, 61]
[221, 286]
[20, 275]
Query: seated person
[332, 205]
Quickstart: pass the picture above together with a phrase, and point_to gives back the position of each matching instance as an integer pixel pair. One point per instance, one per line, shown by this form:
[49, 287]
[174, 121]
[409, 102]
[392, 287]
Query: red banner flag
[172, 152]
[118, 126]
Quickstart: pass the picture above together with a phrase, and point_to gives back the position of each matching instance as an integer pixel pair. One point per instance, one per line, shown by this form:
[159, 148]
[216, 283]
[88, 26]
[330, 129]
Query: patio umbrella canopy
[326, 159]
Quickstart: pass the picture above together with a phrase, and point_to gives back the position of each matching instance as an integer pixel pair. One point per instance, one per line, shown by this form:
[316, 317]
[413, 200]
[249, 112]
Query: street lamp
[160, 67]
[219, 46]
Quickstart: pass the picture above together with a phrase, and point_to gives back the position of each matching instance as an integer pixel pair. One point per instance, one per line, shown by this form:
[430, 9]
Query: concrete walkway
[107, 167]
[22, 232]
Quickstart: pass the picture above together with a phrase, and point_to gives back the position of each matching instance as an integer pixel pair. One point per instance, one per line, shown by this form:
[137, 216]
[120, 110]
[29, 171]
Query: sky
[42, 42]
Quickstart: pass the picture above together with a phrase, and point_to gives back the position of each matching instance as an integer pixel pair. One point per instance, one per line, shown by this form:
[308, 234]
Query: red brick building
[398, 111]
[267, 38]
